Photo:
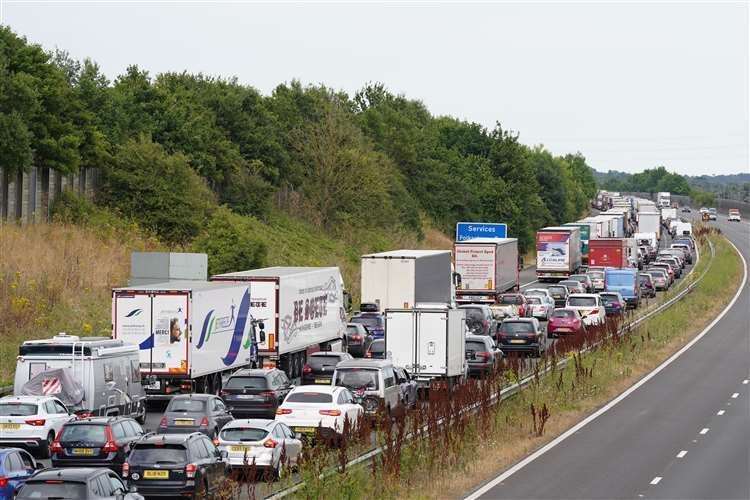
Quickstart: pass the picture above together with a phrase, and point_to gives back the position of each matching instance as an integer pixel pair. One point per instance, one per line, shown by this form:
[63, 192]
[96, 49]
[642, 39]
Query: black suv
[95, 442]
[78, 483]
[255, 393]
[175, 465]
[320, 366]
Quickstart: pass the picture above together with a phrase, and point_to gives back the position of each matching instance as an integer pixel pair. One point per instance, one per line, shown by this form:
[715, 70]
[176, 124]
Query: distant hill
[720, 179]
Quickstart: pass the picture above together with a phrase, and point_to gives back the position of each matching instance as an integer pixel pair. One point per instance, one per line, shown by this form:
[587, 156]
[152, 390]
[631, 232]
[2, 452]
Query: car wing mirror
[223, 454]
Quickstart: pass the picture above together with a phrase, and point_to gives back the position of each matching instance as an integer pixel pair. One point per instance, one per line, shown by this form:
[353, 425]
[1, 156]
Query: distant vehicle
[373, 321]
[573, 286]
[734, 215]
[267, 445]
[376, 350]
[372, 380]
[358, 339]
[511, 305]
[614, 304]
[559, 294]
[16, 466]
[564, 322]
[481, 354]
[712, 214]
[255, 393]
[686, 210]
[186, 465]
[32, 422]
[585, 280]
[540, 307]
[666, 267]
[625, 282]
[409, 387]
[648, 287]
[487, 267]
[589, 306]
[558, 252]
[96, 442]
[659, 277]
[76, 483]
[674, 264]
[480, 319]
[204, 413]
[597, 279]
[521, 335]
[676, 253]
[312, 408]
[686, 250]
[543, 292]
[320, 366]
[703, 210]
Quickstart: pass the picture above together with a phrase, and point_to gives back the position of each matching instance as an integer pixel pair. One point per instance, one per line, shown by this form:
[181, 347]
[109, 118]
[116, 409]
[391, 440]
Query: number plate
[83, 451]
[323, 381]
[240, 449]
[154, 386]
[184, 421]
[10, 427]
[156, 474]
[564, 330]
[247, 396]
[306, 430]
[517, 341]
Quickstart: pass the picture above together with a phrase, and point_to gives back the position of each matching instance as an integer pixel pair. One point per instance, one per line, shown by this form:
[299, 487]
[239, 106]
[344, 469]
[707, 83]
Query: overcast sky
[631, 86]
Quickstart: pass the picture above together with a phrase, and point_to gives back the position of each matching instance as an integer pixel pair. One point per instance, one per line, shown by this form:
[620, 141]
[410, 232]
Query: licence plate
[517, 341]
[306, 430]
[564, 330]
[184, 421]
[156, 474]
[247, 396]
[322, 380]
[10, 427]
[83, 451]
[240, 449]
[154, 386]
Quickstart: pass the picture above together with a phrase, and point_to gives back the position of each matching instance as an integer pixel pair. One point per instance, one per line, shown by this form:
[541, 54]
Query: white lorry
[429, 342]
[402, 279]
[558, 252]
[668, 214]
[303, 310]
[663, 199]
[487, 268]
[649, 222]
[684, 229]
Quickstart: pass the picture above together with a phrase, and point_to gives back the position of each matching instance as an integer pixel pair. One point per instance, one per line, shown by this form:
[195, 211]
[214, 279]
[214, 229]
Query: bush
[159, 190]
[72, 208]
[247, 194]
[228, 240]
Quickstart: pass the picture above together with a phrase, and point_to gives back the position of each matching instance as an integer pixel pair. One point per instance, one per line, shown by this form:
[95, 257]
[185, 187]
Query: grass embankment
[452, 460]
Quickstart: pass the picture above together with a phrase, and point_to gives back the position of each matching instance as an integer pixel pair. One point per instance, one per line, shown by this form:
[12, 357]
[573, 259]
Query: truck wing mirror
[262, 335]
[261, 325]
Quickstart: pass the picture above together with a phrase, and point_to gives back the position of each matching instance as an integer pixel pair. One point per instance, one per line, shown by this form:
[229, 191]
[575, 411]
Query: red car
[564, 322]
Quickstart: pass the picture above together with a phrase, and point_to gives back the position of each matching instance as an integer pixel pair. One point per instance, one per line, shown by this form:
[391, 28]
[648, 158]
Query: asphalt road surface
[685, 433]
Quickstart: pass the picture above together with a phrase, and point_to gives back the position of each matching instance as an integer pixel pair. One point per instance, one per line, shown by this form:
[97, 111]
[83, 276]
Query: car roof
[264, 423]
[518, 320]
[97, 420]
[327, 389]
[328, 353]
[479, 338]
[200, 397]
[365, 363]
[583, 295]
[253, 371]
[69, 473]
[25, 399]
[167, 438]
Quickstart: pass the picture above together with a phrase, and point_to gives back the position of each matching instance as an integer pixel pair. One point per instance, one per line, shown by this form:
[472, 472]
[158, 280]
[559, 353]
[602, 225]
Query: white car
[269, 445]
[734, 215]
[308, 407]
[32, 422]
[540, 292]
[597, 278]
[589, 306]
[541, 306]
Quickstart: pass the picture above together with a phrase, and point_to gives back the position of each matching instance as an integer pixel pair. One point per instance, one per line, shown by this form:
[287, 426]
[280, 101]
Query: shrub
[229, 242]
[247, 193]
[72, 208]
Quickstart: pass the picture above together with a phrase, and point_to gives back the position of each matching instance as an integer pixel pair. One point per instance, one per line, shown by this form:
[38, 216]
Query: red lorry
[608, 252]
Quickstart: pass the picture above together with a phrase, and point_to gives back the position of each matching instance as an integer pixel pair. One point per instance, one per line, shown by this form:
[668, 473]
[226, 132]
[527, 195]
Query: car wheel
[44, 446]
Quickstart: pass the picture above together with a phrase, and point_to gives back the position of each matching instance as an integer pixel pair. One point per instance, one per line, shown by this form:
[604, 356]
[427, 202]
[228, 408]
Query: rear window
[152, 453]
[596, 275]
[309, 397]
[246, 383]
[563, 313]
[353, 330]
[609, 299]
[243, 434]
[511, 299]
[533, 300]
[94, 433]
[357, 378]
[188, 405]
[17, 409]
[557, 290]
[369, 321]
[582, 301]
[317, 362]
[377, 346]
[473, 314]
[475, 346]
[62, 490]
[517, 327]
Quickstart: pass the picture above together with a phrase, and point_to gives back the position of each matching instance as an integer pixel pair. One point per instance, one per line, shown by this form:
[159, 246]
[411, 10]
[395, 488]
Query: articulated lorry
[558, 252]
[663, 199]
[609, 252]
[586, 235]
[650, 222]
[487, 267]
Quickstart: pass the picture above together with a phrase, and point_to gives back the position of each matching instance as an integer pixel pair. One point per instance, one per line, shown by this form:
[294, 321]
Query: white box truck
[649, 222]
[303, 310]
[189, 333]
[401, 279]
[663, 199]
[668, 214]
[487, 268]
[558, 252]
[429, 342]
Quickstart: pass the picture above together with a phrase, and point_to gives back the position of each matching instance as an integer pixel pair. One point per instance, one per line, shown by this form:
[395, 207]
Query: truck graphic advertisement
[552, 250]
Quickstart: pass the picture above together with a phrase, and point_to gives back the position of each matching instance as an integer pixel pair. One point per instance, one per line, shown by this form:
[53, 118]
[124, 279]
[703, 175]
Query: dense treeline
[175, 147]
[652, 181]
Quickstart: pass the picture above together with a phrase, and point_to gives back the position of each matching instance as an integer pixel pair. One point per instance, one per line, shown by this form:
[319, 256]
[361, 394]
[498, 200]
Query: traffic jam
[253, 367]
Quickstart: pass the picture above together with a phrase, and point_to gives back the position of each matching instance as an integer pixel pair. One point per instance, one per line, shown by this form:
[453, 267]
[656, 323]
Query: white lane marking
[529, 283]
[704, 431]
[565, 435]
[656, 480]
[735, 395]
[682, 454]
[744, 382]
[720, 412]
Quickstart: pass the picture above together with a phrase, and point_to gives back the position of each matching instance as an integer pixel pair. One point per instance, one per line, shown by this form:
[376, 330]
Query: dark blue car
[373, 321]
[16, 466]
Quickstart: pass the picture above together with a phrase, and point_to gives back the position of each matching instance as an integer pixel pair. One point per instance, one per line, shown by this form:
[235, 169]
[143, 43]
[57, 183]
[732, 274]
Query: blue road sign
[466, 231]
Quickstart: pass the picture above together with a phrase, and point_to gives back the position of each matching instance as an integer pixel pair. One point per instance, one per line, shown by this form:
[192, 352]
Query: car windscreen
[318, 362]
[582, 301]
[245, 383]
[656, 274]
[90, 433]
[352, 330]
[620, 279]
[17, 409]
[309, 397]
[511, 299]
[377, 347]
[243, 434]
[153, 453]
[644, 278]
[517, 327]
[564, 313]
[187, 405]
[368, 321]
[356, 378]
[63, 490]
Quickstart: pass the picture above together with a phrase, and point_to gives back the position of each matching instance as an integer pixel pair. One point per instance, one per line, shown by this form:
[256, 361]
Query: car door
[199, 456]
[391, 389]
[349, 407]
[15, 471]
[60, 417]
[293, 445]
[219, 412]
[213, 458]
[284, 386]
[115, 484]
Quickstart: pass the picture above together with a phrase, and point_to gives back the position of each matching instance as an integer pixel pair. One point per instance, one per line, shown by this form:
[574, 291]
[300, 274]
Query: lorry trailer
[487, 267]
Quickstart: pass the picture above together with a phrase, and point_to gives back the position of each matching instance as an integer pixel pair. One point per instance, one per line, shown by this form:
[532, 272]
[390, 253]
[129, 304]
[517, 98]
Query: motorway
[684, 433]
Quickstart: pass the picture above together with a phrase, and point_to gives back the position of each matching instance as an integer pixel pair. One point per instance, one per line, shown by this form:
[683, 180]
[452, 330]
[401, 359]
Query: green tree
[229, 242]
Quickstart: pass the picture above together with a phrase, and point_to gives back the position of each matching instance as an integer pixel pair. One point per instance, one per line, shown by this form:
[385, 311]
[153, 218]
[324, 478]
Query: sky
[630, 85]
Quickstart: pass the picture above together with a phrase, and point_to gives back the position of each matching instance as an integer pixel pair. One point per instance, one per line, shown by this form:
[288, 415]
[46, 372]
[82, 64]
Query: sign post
[466, 231]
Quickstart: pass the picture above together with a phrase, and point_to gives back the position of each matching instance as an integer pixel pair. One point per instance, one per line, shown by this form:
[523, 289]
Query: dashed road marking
[656, 480]
[682, 454]
[720, 412]
[735, 395]
[704, 430]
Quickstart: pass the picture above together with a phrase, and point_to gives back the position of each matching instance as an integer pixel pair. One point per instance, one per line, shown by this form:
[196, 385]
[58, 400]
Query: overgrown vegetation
[654, 180]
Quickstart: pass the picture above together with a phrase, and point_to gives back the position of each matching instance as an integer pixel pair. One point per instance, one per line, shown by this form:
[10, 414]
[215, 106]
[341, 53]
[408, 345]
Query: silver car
[204, 413]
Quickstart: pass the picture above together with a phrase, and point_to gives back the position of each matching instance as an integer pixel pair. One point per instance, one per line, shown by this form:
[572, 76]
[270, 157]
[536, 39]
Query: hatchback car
[540, 306]
[32, 422]
[521, 335]
[80, 483]
[358, 339]
[373, 321]
[589, 306]
[190, 413]
[16, 466]
[573, 286]
[585, 280]
[659, 277]
[320, 366]
[374, 381]
[169, 465]
[614, 303]
[482, 355]
[559, 294]
[376, 350]
[597, 279]
[255, 392]
[479, 318]
[564, 322]
[666, 268]
[96, 442]
[646, 282]
[310, 409]
[268, 445]
[513, 305]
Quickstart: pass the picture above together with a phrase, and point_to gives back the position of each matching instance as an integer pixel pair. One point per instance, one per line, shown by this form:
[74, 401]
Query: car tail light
[331, 413]
[268, 394]
[307, 369]
[163, 422]
[368, 354]
[223, 392]
[36, 422]
[485, 355]
[595, 311]
[125, 470]
[270, 443]
[283, 411]
[485, 323]
[356, 337]
[190, 470]
[56, 446]
[204, 422]
[3, 482]
[522, 311]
